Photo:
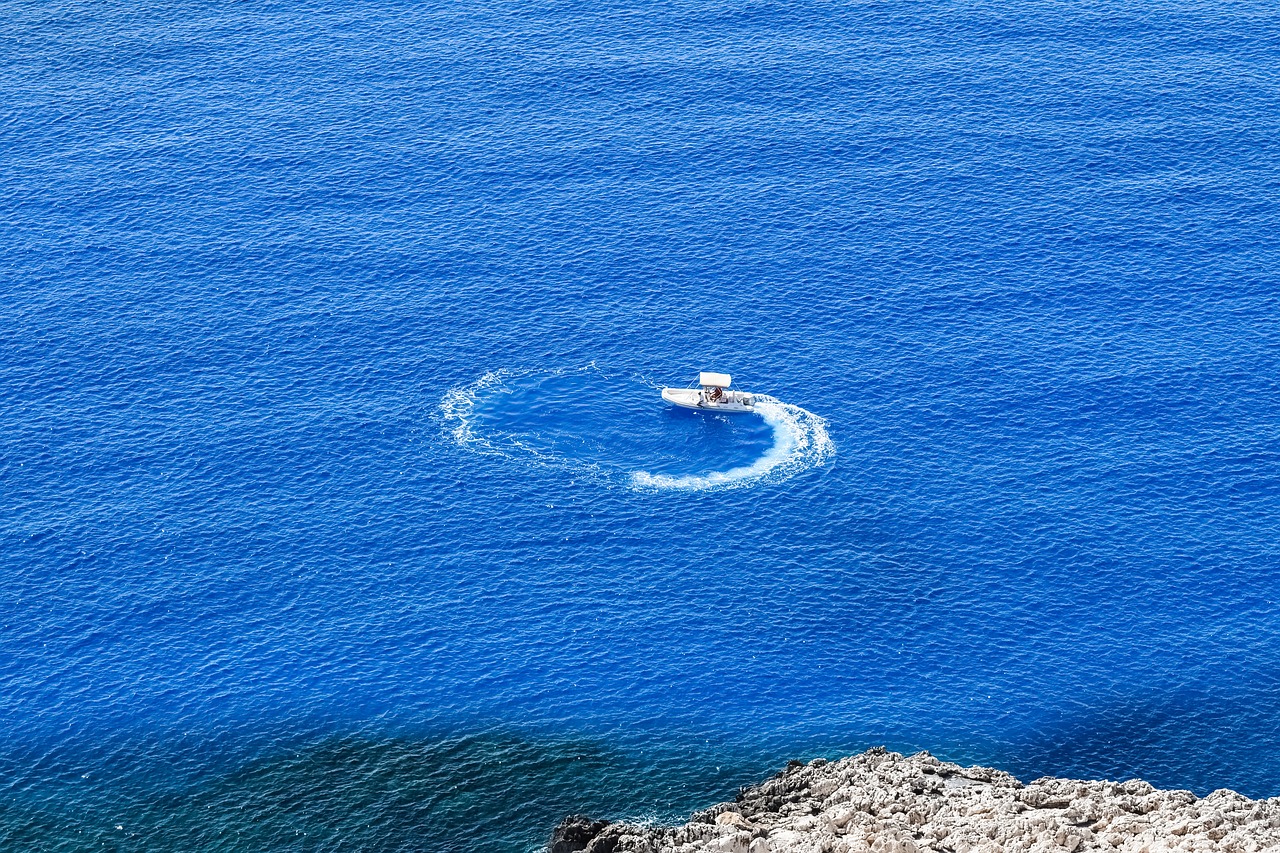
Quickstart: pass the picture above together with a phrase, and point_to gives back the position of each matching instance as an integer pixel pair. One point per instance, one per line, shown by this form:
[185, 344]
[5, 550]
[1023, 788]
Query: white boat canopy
[715, 380]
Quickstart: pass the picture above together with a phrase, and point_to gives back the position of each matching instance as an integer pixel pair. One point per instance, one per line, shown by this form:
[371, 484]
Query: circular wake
[620, 431]
[800, 441]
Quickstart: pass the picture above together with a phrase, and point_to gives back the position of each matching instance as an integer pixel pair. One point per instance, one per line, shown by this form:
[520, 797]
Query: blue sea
[339, 509]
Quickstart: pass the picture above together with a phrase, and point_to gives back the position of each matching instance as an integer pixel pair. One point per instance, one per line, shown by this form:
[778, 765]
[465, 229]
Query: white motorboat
[711, 395]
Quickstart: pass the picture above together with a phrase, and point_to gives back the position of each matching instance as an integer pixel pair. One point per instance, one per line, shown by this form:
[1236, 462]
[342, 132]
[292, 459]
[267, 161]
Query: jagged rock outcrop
[883, 802]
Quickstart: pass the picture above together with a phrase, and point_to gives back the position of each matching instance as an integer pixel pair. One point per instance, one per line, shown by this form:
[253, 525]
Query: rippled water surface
[341, 510]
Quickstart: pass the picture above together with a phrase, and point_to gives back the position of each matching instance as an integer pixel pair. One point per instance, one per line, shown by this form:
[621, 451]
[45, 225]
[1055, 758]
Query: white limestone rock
[883, 802]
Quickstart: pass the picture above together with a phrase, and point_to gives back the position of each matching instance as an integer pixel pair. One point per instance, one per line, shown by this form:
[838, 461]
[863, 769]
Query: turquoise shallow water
[341, 509]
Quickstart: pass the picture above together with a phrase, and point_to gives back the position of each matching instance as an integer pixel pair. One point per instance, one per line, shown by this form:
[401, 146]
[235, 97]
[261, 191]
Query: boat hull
[738, 403]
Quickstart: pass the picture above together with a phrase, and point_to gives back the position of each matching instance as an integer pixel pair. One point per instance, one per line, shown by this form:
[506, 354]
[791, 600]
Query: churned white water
[800, 442]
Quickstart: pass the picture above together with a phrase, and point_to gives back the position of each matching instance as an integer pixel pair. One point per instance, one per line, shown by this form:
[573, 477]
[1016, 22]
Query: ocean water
[338, 506]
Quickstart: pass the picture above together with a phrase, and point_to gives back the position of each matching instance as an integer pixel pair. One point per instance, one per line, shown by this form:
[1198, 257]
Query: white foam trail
[459, 405]
[800, 441]
[457, 410]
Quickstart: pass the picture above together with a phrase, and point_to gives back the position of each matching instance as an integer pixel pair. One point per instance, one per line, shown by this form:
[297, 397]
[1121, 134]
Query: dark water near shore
[341, 511]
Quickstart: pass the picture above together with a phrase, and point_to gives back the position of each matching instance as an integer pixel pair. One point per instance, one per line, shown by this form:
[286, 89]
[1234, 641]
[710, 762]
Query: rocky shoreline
[884, 802]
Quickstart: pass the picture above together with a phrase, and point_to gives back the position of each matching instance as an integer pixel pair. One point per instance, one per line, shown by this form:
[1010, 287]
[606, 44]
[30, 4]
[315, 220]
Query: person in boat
[715, 394]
